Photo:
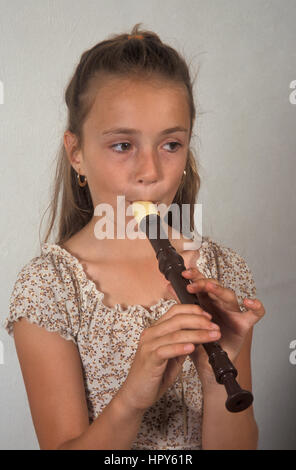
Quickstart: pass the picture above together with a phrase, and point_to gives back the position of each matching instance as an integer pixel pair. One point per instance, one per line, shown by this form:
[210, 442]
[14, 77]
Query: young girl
[110, 358]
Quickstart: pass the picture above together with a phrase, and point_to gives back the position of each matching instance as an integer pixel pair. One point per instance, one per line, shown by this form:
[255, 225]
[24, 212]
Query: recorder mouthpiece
[143, 208]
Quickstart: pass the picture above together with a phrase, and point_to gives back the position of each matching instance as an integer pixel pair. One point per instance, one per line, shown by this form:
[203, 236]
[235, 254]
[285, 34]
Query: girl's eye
[174, 143]
[121, 143]
[126, 143]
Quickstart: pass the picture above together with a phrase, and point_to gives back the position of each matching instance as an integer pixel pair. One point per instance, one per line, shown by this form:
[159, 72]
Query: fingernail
[214, 334]
[251, 302]
[207, 314]
[187, 271]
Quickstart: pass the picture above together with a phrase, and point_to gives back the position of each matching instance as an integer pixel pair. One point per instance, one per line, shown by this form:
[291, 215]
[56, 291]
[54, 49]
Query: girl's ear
[73, 153]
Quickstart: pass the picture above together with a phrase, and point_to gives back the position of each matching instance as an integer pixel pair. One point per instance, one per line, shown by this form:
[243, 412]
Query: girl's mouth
[153, 202]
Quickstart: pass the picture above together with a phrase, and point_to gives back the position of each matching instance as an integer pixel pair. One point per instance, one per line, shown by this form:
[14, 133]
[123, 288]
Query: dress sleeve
[234, 273]
[41, 295]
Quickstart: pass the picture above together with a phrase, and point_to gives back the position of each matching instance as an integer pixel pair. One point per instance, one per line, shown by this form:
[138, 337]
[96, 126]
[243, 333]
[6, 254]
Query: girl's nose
[148, 168]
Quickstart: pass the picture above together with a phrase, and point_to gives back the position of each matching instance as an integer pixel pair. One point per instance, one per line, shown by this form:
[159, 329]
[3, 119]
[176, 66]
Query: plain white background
[246, 140]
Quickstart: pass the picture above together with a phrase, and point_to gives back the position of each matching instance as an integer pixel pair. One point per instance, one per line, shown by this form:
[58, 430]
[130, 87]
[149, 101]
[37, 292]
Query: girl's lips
[154, 202]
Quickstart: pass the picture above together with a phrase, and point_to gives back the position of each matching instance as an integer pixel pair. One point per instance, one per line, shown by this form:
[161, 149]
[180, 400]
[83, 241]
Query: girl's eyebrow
[127, 130]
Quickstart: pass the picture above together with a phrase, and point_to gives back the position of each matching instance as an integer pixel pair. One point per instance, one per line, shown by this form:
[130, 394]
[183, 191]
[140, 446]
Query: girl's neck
[88, 246]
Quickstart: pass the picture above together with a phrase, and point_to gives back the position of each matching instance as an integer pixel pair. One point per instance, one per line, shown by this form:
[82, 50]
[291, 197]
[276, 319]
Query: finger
[192, 274]
[180, 322]
[170, 351]
[198, 283]
[185, 337]
[206, 283]
[170, 348]
[213, 288]
[173, 292]
[255, 310]
[255, 314]
[182, 309]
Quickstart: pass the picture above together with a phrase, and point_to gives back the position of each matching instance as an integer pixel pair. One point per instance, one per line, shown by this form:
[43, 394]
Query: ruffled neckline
[89, 284]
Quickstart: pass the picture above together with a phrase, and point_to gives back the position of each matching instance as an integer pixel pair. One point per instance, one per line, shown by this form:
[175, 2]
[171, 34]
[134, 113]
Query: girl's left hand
[222, 304]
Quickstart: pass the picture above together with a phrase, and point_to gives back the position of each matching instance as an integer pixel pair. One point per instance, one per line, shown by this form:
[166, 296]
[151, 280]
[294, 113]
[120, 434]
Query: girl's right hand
[161, 353]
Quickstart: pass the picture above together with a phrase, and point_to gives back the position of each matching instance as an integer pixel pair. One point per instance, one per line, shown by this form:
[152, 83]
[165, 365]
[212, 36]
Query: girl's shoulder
[221, 256]
[50, 269]
[228, 266]
[45, 292]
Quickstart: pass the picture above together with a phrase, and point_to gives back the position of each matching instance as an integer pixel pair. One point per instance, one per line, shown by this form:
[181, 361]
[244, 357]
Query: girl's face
[136, 140]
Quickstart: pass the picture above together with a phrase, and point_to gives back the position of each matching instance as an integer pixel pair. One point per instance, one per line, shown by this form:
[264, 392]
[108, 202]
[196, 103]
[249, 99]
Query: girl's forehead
[114, 87]
[127, 102]
[148, 119]
[124, 96]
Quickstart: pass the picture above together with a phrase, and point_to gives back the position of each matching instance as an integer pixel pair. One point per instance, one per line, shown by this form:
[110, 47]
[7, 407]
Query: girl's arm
[52, 373]
[115, 428]
[221, 429]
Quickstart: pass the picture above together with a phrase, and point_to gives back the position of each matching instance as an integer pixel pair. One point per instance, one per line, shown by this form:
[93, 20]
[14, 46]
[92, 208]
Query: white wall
[246, 53]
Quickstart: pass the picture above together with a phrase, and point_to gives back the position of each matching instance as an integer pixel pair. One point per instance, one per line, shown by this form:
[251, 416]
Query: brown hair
[120, 55]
